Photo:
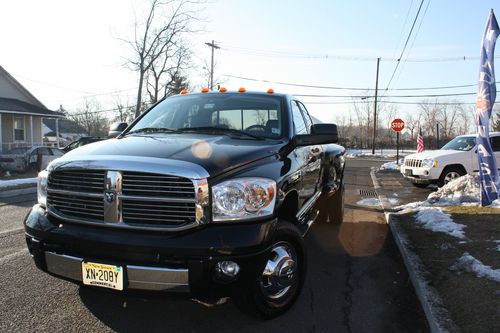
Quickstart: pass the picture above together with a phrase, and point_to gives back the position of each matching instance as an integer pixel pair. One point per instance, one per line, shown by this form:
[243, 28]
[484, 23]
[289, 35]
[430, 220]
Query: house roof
[65, 126]
[21, 89]
[10, 105]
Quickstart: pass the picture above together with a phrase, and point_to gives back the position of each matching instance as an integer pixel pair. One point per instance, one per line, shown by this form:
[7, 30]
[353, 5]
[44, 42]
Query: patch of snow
[371, 202]
[434, 219]
[390, 166]
[463, 190]
[468, 263]
[385, 153]
[15, 182]
[7, 174]
[392, 201]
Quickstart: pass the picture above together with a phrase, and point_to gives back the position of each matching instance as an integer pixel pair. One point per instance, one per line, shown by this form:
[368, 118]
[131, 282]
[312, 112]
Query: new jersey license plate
[102, 275]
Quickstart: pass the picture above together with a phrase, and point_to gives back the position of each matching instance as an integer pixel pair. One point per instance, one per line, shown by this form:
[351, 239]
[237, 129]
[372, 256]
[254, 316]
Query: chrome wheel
[450, 176]
[280, 273]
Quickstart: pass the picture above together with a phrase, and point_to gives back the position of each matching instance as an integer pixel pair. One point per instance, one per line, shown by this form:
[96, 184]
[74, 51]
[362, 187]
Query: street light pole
[375, 110]
[213, 46]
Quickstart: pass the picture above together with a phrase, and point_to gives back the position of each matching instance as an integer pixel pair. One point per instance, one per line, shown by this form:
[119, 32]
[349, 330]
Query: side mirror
[116, 128]
[320, 134]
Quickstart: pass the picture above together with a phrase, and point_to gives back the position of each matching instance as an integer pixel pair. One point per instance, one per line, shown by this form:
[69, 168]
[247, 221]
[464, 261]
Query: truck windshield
[256, 115]
[461, 143]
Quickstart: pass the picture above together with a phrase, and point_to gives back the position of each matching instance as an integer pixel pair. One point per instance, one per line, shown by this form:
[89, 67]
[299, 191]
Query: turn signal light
[205, 90]
[270, 91]
[242, 90]
[222, 90]
[184, 92]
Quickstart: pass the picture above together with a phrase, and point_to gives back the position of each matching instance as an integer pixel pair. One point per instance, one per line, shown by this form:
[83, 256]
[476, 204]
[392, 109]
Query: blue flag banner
[488, 170]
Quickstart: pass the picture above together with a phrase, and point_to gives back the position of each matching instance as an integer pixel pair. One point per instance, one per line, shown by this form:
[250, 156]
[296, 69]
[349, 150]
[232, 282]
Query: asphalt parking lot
[356, 282]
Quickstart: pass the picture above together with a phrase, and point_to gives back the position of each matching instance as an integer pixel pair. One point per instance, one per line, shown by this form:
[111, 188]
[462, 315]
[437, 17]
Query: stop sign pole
[397, 125]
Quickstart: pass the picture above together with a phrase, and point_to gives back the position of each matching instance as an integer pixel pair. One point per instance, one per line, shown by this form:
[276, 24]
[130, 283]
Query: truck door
[308, 157]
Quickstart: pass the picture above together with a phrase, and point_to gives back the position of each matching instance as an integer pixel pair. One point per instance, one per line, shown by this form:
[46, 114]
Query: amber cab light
[205, 90]
[242, 89]
[184, 92]
[222, 89]
[270, 91]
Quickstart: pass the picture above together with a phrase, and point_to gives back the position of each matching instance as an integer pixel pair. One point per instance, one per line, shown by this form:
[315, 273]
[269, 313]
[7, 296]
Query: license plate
[408, 172]
[102, 275]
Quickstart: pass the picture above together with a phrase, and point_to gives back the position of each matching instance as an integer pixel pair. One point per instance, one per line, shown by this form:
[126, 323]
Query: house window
[18, 129]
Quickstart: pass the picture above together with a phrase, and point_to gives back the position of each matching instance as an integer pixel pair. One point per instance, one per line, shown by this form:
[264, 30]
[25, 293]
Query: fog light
[227, 270]
[426, 173]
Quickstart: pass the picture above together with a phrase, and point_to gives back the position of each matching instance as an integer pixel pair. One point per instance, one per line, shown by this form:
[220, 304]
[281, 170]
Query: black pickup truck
[205, 193]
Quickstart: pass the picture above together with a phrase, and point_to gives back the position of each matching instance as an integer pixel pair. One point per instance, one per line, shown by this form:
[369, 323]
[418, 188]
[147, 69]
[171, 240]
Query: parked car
[207, 193]
[24, 158]
[116, 129]
[81, 142]
[457, 158]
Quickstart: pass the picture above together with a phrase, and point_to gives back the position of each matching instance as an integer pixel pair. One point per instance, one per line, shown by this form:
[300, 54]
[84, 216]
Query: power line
[346, 88]
[387, 102]
[395, 96]
[406, 44]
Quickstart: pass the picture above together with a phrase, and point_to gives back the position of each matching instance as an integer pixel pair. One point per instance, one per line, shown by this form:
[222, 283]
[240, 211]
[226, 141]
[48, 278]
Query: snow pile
[468, 263]
[434, 219]
[390, 166]
[370, 202]
[16, 182]
[463, 190]
[386, 153]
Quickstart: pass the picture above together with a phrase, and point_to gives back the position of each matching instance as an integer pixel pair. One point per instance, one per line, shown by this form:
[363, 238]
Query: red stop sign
[397, 125]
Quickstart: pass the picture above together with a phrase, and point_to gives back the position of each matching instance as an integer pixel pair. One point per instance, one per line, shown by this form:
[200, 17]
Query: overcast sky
[63, 51]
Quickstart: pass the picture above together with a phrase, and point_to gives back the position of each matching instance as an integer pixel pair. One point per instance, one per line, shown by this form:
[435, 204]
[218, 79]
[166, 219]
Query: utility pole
[213, 46]
[375, 109]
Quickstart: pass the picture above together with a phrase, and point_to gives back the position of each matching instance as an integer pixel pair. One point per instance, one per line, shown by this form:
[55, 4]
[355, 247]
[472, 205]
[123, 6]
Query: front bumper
[153, 261]
[420, 175]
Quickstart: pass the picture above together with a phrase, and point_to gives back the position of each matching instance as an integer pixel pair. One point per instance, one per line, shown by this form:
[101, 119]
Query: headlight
[428, 163]
[243, 198]
[42, 188]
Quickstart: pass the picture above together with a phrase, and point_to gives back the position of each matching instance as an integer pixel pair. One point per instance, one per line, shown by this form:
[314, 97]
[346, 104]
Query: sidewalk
[452, 254]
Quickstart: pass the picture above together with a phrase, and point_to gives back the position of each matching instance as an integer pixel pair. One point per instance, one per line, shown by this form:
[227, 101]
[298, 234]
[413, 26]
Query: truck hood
[436, 154]
[216, 154]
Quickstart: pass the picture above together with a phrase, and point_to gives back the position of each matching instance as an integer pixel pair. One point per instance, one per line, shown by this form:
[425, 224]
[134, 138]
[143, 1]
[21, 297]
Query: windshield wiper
[214, 129]
[153, 130]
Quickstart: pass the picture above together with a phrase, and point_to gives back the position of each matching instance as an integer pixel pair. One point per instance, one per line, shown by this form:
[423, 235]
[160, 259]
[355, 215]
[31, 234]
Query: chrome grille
[144, 184]
[88, 181]
[413, 163]
[137, 198]
[77, 205]
[158, 213]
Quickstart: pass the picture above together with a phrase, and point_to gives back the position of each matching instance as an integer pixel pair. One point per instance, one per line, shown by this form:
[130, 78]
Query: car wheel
[450, 174]
[420, 185]
[279, 284]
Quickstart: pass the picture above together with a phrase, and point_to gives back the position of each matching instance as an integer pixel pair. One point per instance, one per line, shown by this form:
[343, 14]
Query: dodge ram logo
[110, 196]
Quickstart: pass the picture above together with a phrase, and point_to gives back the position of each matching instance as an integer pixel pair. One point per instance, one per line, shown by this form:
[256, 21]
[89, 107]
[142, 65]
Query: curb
[437, 315]
[17, 191]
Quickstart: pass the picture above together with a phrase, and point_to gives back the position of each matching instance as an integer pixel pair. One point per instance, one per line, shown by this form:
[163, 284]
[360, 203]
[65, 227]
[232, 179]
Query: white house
[20, 115]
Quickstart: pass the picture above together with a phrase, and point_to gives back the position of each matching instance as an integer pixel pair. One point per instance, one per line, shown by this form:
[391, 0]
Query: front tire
[279, 284]
[449, 174]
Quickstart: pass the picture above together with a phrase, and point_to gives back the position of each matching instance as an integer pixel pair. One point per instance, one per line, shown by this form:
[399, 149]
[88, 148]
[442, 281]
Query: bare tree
[90, 117]
[157, 38]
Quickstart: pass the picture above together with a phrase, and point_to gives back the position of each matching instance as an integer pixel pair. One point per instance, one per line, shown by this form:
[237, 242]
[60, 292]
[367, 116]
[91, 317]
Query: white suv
[457, 158]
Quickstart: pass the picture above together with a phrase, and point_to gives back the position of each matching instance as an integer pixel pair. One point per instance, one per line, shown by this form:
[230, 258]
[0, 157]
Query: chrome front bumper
[137, 277]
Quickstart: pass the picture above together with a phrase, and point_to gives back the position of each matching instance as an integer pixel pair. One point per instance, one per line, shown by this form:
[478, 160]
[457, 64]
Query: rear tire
[449, 174]
[279, 284]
